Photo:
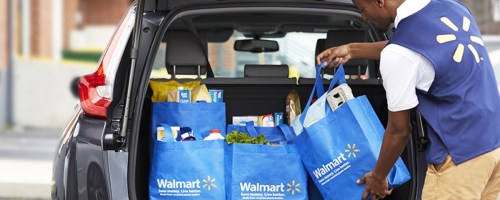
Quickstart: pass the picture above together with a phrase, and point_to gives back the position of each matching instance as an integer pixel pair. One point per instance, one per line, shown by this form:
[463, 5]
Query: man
[435, 60]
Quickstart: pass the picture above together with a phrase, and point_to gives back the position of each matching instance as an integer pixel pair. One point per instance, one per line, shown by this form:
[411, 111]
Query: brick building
[45, 28]
[487, 15]
[3, 35]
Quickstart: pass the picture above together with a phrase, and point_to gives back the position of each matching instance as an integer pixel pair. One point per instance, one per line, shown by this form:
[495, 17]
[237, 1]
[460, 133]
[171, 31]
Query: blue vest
[462, 106]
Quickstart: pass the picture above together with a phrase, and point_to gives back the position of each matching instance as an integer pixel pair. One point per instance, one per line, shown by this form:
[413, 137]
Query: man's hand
[376, 187]
[338, 55]
[344, 53]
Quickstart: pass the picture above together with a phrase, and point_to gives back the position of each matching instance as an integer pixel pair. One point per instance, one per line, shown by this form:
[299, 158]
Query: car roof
[154, 5]
[207, 1]
[278, 18]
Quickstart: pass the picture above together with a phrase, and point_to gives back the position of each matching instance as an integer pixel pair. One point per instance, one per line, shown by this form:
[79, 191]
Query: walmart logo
[292, 187]
[459, 51]
[209, 183]
[351, 150]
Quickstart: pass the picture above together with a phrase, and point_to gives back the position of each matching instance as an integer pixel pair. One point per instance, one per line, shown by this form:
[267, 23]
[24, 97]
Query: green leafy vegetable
[242, 137]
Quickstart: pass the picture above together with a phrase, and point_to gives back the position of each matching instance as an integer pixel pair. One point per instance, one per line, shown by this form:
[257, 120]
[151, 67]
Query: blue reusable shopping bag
[257, 171]
[187, 170]
[201, 117]
[341, 147]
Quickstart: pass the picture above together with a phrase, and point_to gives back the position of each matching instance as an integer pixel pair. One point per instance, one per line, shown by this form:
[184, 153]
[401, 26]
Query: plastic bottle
[214, 135]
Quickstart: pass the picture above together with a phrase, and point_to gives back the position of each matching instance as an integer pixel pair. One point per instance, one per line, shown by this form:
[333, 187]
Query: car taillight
[93, 102]
[96, 89]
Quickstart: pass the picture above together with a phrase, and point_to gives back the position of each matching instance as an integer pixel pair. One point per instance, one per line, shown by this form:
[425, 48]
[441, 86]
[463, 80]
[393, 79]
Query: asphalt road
[26, 163]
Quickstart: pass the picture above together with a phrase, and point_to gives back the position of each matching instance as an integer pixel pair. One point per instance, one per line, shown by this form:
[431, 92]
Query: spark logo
[293, 187]
[351, 150]
[459, 51]
[209, 183]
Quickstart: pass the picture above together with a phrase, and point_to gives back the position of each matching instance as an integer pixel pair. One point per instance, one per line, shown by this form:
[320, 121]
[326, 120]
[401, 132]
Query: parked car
[495, 61]
[104, 150]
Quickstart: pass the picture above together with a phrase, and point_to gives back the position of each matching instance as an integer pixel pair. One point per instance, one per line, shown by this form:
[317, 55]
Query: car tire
[96, 186]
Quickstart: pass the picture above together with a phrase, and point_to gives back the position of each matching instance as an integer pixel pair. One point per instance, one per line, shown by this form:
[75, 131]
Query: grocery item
[266, 120]
[184, 95]
[240, 120]
[216, 95]
[278, 118]
[161, 89]
[186, 134]
[187, 137]
[242, 137]
[175, 130]
[293, 108]
[172, 96]
[214, 135]
[160, 133]
[200, 93]
[339, 95]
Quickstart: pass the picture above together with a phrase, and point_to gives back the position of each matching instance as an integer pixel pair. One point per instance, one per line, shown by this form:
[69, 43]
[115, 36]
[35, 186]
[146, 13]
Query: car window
[159, 69]
[296, 49]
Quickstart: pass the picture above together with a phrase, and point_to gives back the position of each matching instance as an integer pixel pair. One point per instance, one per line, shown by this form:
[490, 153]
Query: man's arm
[343, 53]
[396, 136]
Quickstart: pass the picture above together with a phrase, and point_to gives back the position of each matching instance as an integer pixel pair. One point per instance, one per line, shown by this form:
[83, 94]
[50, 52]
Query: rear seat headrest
[341, 37]
[266, 71]
[320, 47]
[186, 52]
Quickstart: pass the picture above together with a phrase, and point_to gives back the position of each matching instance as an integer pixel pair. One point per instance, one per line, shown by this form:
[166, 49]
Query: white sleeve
[399, 73]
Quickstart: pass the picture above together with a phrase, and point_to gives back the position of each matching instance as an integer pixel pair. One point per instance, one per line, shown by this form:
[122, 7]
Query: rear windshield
[296, 49]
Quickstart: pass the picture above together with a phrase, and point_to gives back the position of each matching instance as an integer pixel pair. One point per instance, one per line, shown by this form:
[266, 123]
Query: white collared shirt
[405, 70]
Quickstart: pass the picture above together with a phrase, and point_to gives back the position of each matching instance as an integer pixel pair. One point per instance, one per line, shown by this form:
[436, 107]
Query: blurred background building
[487, 15]
[56, 29]
[46, 43]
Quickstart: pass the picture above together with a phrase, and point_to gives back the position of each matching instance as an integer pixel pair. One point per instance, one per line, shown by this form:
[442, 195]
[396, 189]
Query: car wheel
[96, 186]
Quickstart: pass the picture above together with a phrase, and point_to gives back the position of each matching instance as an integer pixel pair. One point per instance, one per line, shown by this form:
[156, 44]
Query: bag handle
[320, 90]
[169, 137]
[252, 132]
[341, 78]
[289, 135]
[338, 78]
[285, 129]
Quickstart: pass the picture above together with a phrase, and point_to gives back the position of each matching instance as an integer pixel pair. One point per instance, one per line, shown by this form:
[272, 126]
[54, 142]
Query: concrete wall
[3, 34]
[92, 37]
[3, 61]
[42, 97]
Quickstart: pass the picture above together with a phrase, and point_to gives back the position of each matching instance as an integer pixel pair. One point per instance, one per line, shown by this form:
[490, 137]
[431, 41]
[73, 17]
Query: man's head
[381, 13]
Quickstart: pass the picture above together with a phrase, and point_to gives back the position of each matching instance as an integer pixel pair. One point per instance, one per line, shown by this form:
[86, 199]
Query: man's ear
[380, 3]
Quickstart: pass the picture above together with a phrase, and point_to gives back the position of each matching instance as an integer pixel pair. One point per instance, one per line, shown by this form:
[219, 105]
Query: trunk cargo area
[259, 96]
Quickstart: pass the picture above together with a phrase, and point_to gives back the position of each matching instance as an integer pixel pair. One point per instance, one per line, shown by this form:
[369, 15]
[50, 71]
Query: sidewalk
[26, 163]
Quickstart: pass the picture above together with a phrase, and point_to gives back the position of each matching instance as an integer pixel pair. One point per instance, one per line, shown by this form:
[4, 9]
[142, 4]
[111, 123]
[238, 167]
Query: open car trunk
[256, 96]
